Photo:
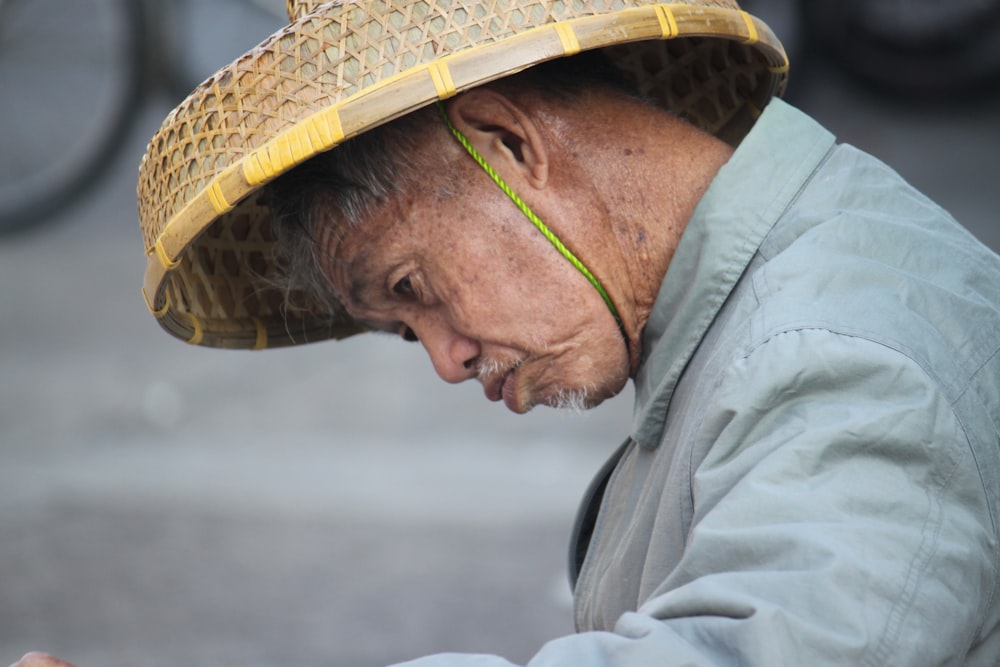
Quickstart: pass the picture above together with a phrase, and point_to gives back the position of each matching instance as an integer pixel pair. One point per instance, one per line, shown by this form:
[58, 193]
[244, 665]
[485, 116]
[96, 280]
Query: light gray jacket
[813, 473]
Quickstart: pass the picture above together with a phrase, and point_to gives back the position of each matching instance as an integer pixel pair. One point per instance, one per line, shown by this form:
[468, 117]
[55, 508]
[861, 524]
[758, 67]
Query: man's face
[471, 279]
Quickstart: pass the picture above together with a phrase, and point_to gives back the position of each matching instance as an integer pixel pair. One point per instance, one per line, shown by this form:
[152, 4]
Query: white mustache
[488, 368]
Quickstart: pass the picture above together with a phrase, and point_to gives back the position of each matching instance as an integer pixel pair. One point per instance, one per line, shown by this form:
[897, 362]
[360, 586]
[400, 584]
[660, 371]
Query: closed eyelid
[404, 286]
[408, 274]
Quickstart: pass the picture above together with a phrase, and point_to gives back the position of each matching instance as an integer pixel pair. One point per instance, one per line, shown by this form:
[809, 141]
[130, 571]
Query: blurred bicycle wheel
[71, 74]
[919, 48]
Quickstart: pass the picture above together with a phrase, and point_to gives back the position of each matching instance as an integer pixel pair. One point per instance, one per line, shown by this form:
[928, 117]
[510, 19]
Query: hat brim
[312, 85]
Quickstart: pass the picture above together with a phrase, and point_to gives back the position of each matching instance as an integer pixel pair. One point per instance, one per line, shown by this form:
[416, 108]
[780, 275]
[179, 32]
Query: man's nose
[453, 354]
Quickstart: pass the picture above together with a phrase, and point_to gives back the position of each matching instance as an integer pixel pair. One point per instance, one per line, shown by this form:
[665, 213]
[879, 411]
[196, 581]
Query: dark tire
[71, 75]
[916, 48]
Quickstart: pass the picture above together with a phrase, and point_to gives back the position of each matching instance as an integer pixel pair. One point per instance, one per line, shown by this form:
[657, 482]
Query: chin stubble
[574, 401]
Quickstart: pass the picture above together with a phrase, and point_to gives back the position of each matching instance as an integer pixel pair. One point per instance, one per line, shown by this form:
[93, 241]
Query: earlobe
[503, 132]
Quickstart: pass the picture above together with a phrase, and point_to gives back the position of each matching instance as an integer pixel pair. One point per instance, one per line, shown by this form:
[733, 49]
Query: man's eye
[409, 336]
[404, 287]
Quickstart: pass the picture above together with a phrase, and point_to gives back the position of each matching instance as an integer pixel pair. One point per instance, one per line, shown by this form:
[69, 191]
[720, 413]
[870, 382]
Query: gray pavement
[331, 505]
[162, 504]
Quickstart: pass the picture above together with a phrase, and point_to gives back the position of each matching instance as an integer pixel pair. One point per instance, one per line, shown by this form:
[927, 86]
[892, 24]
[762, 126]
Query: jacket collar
[740, 207]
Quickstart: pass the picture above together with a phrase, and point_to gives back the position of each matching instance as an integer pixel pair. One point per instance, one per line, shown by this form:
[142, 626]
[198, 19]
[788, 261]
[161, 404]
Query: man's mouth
[508, 393]
[495, 387]
[501, 386]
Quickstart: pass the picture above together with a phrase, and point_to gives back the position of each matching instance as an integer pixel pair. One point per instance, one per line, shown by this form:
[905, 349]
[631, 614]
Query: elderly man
[812, 475]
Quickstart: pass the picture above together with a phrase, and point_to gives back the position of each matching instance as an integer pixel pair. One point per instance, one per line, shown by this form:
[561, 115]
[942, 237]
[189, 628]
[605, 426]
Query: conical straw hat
[341, 68]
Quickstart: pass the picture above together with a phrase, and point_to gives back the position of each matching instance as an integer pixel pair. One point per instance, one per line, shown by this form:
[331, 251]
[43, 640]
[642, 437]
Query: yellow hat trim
[444, 85]
[567, 37]
[668, 23]
[261, 341]
[161, 254]
[199, 331]
[149, 304]
[753, 37]
[315, 134]
[218, 199]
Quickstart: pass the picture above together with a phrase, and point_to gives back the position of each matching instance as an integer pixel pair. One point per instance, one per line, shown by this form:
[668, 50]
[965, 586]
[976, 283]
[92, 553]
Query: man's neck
[657, 176]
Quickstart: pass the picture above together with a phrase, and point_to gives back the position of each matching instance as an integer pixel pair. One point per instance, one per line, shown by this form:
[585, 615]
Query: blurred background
[336, 504]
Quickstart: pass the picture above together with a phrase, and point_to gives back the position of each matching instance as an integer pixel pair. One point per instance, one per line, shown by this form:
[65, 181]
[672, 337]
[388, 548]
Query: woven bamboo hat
[341, 68]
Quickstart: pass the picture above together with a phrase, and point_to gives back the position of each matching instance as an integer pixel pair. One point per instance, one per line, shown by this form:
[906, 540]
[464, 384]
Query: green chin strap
[535, 220]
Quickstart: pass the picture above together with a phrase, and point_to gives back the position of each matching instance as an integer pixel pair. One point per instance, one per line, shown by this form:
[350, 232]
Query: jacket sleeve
[839, 518]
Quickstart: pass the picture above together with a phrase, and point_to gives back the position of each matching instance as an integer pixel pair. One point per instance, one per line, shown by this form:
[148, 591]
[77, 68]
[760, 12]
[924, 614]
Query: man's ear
[503, 132]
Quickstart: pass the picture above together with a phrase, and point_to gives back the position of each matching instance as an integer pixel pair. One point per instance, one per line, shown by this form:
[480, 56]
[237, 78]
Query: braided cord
[526, 210]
